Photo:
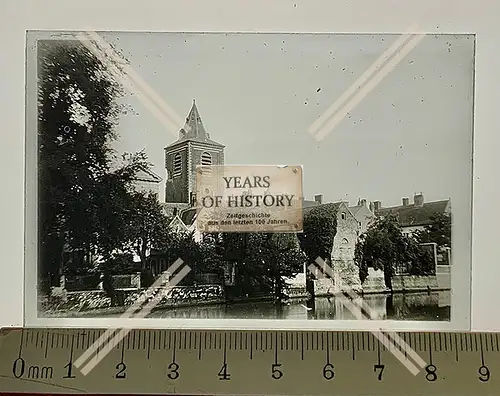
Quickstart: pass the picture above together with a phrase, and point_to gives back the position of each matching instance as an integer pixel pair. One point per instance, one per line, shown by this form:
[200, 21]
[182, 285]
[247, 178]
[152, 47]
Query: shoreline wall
[95, 300]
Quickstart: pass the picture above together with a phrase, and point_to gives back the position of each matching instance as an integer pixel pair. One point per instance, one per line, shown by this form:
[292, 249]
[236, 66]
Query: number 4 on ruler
[223, 374]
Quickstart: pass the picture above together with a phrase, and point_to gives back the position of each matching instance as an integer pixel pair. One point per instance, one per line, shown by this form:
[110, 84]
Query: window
[345, 241]
[343, 216]
[206, 159]
[177, 165]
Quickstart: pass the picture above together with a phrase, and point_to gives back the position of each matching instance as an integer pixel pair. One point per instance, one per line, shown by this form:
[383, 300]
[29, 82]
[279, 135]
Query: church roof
[194, 130]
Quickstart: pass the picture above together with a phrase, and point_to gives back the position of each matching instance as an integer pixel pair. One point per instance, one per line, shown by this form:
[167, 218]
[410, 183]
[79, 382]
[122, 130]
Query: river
[432, 306]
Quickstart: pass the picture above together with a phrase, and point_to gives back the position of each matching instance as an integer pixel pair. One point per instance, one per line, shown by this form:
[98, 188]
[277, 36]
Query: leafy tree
[247, 251]
[285, 258]
[438, 231]
[384, 246]
[78, 187]
[320, 228]
[263, 259]
[316, 240]
[211, 256]
[148, 226]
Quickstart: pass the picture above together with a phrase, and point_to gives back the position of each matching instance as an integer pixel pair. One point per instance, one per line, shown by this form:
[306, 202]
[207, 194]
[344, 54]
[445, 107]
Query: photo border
[460, 275]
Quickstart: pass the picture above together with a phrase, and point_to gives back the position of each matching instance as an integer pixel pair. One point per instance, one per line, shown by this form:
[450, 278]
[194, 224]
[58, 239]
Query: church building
[193, 147]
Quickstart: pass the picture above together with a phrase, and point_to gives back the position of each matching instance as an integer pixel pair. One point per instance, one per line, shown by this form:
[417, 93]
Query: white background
[385, 16]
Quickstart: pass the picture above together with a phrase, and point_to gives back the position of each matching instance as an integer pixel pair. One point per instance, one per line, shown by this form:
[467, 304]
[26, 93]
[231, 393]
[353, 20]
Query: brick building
[193, 147]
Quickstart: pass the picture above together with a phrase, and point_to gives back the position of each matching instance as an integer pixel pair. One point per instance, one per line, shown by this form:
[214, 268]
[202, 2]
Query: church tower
[193, 147]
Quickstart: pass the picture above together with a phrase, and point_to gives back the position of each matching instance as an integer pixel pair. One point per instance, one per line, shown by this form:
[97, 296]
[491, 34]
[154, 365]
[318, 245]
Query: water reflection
[432, 306]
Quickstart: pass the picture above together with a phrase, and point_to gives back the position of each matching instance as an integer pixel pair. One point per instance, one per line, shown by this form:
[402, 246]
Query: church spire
[193, 128]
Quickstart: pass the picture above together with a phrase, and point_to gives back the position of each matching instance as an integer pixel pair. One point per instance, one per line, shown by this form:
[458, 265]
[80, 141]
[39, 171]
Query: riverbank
[380, 302]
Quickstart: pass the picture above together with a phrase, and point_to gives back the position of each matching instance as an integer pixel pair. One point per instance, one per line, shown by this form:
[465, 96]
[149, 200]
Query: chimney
[418, 199]
[406, 201]
[372, 208]
[362, 202]
[318, 198]
[377, 205]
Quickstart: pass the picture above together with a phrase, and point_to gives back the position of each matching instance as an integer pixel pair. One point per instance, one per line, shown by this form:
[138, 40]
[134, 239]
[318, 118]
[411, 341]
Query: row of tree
[384, 246]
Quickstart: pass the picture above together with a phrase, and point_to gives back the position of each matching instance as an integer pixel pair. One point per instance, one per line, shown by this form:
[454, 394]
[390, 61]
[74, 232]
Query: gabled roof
[307, 203]
[355, 209]
[194, 130]
[358, 208]
[177, 224]
[333, 206]
[412, 215]
[169, 208]
[188, 216]
[145, 174]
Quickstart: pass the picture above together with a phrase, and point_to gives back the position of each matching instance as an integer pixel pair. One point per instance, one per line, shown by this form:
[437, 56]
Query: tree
[438, 231]
[316, 240]
[263, 259]
[211, 256]
[78, 186]
[148, 226]
[285, 259]
[384, 247]
[320, 228]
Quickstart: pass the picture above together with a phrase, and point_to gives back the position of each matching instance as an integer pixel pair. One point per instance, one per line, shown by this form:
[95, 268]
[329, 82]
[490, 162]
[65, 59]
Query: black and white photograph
[381, 126]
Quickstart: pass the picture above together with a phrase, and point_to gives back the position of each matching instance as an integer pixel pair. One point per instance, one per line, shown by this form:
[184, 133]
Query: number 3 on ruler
[173, 371]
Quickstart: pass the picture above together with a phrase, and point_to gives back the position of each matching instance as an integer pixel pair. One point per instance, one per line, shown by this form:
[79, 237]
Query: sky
[258, 94]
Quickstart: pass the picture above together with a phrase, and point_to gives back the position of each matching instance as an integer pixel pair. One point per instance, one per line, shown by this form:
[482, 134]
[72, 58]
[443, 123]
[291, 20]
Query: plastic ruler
[248, 362]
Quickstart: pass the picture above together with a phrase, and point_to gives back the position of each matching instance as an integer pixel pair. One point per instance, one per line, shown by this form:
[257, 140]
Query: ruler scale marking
[198, 335]
[302, 346]
[46, 350]
[480, 361]
[351, 337]
[148, 345]
[481, 351]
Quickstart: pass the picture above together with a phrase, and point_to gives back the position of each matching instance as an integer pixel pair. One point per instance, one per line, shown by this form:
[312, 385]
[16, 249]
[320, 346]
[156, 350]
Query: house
[146, 180]
[414, 216]
[363, 215]
[185, 222]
